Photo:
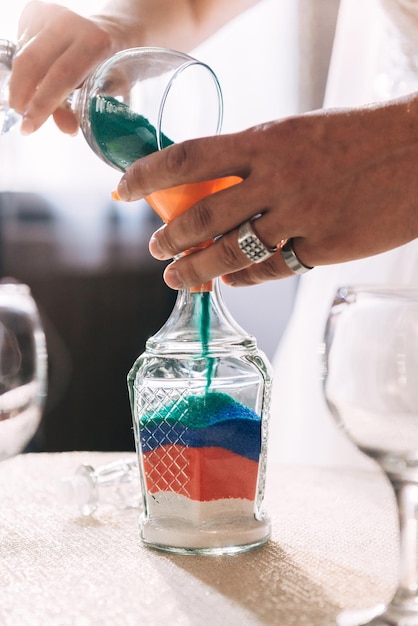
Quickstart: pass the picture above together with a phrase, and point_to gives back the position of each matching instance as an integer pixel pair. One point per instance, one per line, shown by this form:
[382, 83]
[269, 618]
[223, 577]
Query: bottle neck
[200, 323]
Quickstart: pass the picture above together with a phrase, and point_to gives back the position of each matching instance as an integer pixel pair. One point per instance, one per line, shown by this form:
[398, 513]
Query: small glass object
[116, 484]
[371, 386]
[23, 368]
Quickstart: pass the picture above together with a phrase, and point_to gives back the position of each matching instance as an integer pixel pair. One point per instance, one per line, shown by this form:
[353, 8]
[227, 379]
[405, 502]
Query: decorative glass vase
[200, 396]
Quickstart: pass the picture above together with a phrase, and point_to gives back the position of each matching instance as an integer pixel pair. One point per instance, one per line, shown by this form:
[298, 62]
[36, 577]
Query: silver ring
[251, 245]
[291, 260]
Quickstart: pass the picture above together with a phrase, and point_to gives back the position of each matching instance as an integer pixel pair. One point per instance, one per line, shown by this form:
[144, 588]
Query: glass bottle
[200, 396]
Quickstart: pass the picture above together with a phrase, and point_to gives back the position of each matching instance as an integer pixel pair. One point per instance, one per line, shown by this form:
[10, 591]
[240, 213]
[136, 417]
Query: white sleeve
[375, 54]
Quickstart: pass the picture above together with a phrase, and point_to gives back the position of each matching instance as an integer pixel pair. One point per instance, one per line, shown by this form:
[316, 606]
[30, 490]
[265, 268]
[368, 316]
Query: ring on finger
[290, 258]
[253, 248]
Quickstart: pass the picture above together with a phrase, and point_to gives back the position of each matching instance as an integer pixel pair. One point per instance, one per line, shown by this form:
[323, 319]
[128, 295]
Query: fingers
[223, 258]
[208, 219]
[66, 120]
[30, 21]
[36, 51]
[57, 49]
[272, 269]
[59, 79]
[43, 92]
[186, 162]
[177, 276]
[29, 68]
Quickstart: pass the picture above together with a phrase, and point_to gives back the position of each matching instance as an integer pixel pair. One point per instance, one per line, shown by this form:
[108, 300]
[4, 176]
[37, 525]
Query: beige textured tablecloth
[334, 545]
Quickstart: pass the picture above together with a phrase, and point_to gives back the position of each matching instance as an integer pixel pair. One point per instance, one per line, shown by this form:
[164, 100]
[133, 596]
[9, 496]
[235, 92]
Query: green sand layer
[122, 135]
[200, 411]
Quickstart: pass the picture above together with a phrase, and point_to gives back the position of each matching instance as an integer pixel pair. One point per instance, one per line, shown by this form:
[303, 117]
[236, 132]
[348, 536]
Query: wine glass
[371, 387]
[23, 368]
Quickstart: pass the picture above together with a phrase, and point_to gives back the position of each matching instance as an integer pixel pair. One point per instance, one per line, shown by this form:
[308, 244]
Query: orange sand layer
[208, 473]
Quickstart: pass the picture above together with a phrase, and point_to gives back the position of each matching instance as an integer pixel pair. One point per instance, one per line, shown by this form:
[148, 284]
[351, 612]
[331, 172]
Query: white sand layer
[174, 522]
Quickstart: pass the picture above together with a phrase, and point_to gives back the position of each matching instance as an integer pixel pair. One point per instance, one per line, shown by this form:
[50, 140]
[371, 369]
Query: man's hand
[343, 184]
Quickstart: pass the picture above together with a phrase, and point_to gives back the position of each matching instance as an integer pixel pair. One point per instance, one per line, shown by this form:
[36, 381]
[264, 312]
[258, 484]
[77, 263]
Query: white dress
[373, 58]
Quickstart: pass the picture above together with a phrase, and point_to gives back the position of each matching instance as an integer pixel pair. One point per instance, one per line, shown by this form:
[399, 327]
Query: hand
[57, 48]
[343, 184]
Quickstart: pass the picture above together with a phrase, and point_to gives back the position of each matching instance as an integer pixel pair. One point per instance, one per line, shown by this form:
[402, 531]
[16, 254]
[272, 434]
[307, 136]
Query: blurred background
[86, 258]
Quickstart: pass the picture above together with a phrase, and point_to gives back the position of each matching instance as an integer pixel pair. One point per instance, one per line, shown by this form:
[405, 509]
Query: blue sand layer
[240, 436]
[214, 419]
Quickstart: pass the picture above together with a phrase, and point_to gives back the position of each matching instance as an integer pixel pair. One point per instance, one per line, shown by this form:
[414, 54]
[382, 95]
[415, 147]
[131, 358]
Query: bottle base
[214, 538]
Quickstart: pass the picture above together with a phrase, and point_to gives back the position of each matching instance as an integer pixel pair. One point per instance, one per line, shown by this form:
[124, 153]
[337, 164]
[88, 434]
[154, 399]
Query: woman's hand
[343, 184]
[57, 48]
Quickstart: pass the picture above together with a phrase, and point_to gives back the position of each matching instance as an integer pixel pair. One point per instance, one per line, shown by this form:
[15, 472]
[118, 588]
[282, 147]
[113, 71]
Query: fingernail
[229, 280]
[172, 278]
[27, 127]
[155, 249]
[123, 190]
[115, 196]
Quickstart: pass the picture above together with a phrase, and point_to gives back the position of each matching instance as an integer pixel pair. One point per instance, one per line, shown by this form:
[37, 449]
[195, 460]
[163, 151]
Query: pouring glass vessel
[137, 101]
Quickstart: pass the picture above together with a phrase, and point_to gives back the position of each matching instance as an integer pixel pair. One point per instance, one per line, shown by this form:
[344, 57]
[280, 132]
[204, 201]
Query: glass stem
[407, 501]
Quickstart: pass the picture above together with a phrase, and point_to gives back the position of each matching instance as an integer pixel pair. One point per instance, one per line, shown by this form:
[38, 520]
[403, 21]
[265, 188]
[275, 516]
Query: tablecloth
[333, 546]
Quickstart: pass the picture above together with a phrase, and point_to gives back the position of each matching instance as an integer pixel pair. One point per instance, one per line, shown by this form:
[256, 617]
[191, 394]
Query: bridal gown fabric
[375, 57]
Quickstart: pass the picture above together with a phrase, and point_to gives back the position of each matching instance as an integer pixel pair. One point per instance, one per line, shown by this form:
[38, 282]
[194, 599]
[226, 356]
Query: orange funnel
[171, 202]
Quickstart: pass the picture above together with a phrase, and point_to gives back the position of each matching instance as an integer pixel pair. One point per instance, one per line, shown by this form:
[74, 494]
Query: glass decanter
[200, 396]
